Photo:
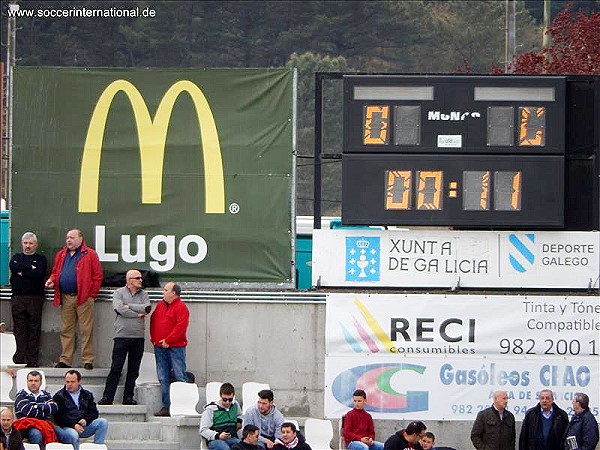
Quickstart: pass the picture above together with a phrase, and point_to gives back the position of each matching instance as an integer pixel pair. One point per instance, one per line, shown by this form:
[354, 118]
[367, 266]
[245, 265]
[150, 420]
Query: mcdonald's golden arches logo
[152, 135]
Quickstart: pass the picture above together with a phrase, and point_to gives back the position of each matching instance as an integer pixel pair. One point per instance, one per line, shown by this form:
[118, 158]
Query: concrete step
[123, 413]
[130, 431]
[142, 445]
[88, 377]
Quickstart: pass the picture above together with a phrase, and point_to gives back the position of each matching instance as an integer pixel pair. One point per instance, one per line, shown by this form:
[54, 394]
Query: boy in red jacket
[359, 432]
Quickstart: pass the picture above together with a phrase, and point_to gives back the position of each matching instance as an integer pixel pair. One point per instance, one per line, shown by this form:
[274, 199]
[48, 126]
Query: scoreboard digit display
[468, 151]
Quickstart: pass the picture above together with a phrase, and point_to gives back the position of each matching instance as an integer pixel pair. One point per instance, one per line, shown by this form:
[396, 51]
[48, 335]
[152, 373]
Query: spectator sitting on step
[249, 441]
[221, 420]
[359, 431]
[77, 414]
[290, 439]
[33, 408]
[267, 417]
[10, 438]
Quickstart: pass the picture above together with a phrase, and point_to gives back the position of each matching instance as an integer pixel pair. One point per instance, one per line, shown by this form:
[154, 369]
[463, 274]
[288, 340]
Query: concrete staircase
[134, 427]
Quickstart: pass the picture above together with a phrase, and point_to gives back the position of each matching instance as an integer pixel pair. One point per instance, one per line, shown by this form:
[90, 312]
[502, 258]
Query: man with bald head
[494, 427]
[76, 278]
[131, 304]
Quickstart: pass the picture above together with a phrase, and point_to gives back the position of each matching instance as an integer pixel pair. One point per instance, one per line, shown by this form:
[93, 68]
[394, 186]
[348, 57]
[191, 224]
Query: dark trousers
[27, 324]
[133, 350]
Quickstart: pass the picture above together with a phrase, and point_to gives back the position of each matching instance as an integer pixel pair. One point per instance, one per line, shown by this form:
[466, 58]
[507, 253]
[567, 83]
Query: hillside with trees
[367, 36]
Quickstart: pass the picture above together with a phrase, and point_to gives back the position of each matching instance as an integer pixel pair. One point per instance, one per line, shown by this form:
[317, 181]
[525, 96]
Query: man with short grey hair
[582, 432]
[27, 273]
[494, 427]
[131, 305]
[544, 425]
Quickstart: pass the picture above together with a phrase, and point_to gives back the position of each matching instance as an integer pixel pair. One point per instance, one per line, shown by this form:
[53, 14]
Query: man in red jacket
[76, 278]
[168, 327]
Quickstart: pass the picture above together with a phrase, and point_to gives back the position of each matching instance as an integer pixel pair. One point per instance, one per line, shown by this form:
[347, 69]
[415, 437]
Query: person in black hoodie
[290, 439]
[27, 274]
[544, 425]
[249, 439]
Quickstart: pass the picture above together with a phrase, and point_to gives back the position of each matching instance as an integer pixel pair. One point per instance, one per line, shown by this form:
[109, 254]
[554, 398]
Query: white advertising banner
[438, 357]
[395, 258]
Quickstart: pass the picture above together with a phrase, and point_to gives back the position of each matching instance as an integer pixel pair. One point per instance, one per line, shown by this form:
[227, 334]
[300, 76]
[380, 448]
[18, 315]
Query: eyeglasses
[136, 278]
[226, 399]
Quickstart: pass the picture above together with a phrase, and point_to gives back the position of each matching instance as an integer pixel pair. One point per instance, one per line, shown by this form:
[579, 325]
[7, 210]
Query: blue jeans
[222, 444]
[97, 428]
[34, 436]
[168, 359]
[357, 445]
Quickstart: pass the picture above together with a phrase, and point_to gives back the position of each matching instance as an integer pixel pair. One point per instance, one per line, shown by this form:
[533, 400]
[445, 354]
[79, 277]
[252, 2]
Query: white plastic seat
[6, 385]
[22, 378]
[250, 391]
[58, 446]
[318, 433]
[212, 391]
[28, 446]
[92, 446]
[184, 398]
[8, 347]
[147, 370]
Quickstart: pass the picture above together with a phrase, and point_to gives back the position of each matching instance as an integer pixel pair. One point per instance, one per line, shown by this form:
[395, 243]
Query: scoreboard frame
[451, 128]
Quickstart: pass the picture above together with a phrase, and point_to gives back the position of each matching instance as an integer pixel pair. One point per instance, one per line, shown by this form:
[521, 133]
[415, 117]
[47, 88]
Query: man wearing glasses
[221, 421]
[168, 328]
[131, 305]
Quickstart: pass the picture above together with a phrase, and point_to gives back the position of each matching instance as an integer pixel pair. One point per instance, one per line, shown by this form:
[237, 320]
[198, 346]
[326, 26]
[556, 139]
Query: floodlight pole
[8, 103]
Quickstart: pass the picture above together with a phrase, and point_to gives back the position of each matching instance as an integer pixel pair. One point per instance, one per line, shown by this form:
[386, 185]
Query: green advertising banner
[184, 172]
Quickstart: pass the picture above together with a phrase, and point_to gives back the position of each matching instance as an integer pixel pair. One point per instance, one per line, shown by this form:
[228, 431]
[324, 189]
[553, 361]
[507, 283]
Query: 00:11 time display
[427, 190]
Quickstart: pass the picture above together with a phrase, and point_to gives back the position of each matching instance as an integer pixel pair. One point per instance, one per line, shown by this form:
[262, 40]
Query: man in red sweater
[359, 432]
[168, 327]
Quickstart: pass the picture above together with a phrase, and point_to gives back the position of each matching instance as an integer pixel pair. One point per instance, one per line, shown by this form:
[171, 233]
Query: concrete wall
[280, 343]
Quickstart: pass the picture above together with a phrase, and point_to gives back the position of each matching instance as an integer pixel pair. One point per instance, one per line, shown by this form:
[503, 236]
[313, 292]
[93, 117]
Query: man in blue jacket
[77, 414]
[582, 432]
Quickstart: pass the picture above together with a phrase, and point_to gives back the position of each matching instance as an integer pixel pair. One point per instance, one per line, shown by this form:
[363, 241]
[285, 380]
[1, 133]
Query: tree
[306, 65]
[575, 47]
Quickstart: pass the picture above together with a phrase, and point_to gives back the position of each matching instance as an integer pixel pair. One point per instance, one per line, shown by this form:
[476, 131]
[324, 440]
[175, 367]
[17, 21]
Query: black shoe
[164, 412]
[62, 365]
[129, 401]
[88, 366]
[105, 401]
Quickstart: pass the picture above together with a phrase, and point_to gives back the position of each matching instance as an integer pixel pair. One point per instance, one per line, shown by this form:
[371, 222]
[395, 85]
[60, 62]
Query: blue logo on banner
[362, 258]
[521, 254]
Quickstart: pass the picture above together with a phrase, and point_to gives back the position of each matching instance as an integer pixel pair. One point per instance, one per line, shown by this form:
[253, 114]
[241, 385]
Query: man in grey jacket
[131, 304]
[266, 417]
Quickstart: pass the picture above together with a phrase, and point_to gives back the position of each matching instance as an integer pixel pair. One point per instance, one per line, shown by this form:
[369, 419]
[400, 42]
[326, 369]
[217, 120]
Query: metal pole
[7, 144]
[510, 36]
[317, 150]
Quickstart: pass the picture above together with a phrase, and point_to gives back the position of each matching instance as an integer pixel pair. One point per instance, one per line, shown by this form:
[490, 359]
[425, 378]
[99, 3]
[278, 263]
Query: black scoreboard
[465, 151]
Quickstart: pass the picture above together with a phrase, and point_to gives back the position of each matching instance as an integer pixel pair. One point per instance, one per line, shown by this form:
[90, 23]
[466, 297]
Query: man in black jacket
[582, 432]
[494, 427]
[10, 439]
[544, 425]
[27, 273]
[408, 438]
[77, 414]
